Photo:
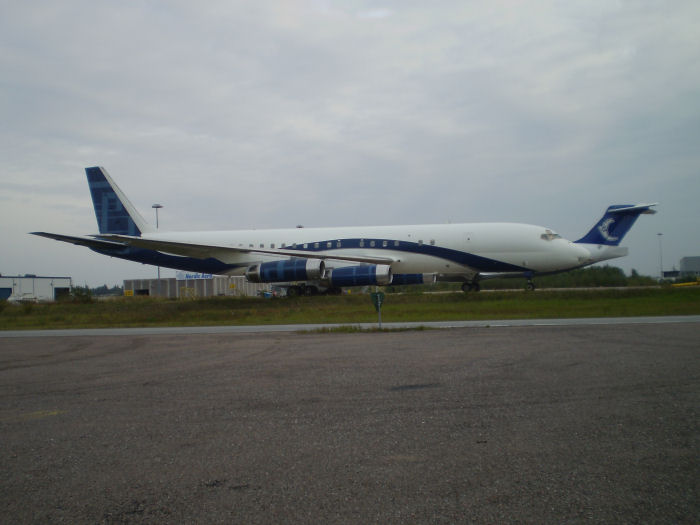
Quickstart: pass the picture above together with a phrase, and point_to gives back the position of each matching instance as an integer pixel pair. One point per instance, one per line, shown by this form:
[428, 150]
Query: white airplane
[313, 260]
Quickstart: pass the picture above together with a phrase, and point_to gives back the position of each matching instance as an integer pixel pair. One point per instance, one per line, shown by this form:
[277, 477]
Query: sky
[269, 114]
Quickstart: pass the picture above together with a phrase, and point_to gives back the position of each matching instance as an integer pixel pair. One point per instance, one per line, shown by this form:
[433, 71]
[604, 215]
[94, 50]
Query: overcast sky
[327, 113]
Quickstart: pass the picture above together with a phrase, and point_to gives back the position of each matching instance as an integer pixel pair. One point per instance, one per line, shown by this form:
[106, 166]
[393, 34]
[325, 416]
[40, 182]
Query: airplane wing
[204, 250]
[90, 242]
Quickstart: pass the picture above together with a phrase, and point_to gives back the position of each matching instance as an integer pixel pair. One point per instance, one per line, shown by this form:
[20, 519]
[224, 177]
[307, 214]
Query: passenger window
[385, 244]
[262, 245]
[329, 244]
[306, 246]
[337, 244]
[283, 245]
[432, 242]
[362, 243]
[272, 245]
[316, 245]
[251, 245]
[371, 243]
[420, 242]
[396, 243]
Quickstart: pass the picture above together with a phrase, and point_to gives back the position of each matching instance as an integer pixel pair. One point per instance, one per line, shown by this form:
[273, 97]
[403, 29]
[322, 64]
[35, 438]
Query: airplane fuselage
[446, 249]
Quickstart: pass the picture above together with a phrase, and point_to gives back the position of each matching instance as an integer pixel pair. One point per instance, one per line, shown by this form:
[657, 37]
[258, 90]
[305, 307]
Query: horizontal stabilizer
[639, 208]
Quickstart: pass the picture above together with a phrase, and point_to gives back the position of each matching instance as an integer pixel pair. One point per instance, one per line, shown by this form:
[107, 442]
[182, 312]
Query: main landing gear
[294, 291]
[471, 286]
[530, 286]
[297, 290]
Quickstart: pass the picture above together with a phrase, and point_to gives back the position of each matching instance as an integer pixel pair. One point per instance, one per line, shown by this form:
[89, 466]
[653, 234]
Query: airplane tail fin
[114, 212]
[616, 222]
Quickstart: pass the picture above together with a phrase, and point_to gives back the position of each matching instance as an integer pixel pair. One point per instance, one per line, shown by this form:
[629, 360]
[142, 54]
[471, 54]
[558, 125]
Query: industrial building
[33, 288]
[189, 285]
[690, 267]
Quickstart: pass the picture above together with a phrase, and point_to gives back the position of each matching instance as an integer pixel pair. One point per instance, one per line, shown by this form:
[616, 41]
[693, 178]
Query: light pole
[157, 207]
[661, 257]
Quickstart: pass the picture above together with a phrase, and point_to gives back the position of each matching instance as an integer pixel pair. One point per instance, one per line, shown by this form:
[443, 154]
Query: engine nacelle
[379, 274]
[286, 270]
[413, 278]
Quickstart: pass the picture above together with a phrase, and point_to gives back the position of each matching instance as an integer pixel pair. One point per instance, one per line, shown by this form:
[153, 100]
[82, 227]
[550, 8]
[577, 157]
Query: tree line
[591, 277]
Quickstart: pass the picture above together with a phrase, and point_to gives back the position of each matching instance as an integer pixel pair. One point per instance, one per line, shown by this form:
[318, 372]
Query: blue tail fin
[616, 222]
[114, 212]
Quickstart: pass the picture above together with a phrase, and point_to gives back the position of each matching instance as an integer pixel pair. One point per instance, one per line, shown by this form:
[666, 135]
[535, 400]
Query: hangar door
[61, 293]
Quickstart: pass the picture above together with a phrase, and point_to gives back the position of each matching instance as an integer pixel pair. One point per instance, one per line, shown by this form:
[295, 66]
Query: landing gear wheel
[530, 286]
[293, 291]
[471, 287]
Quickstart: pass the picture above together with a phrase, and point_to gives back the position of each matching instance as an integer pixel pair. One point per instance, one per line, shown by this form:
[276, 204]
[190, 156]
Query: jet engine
[379, 274]
[286, 270]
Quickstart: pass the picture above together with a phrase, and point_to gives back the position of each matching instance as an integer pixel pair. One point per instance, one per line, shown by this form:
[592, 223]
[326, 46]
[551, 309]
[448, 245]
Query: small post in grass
[378, 300]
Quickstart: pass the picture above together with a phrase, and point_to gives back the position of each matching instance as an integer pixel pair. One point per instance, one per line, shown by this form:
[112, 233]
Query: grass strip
[351, 309]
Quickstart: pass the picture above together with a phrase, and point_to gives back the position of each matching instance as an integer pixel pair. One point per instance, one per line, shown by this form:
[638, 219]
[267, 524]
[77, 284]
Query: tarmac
[529, 424]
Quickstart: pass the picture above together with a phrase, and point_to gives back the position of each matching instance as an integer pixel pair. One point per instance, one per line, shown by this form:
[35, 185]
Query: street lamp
[157, 207]
[661, 256]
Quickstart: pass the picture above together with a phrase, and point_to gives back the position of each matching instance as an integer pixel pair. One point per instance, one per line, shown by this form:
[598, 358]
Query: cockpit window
[549, 235]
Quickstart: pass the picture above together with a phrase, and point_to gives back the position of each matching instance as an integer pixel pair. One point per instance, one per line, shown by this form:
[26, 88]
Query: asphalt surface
[595, 424]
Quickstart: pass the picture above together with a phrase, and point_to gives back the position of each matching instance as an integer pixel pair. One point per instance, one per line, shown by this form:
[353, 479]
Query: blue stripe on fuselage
[482, 264]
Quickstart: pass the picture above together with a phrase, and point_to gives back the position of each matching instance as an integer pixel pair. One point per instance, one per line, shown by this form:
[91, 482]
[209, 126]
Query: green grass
[353, 309]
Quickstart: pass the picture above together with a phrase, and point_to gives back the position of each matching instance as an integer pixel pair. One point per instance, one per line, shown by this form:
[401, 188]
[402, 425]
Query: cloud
[334, 113]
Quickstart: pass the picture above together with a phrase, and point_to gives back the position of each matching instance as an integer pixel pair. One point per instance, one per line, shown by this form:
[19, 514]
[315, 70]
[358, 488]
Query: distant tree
[105, 290]
[591, 277]
[82, 294]
[639, 280]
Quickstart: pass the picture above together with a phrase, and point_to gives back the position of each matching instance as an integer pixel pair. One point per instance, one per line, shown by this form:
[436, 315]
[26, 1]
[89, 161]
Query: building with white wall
[34, 288]
[690, 266]
[188, 285]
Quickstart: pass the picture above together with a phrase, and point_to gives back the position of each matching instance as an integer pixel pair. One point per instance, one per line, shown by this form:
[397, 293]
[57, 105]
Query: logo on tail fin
[604, 230]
